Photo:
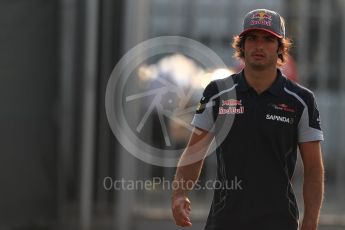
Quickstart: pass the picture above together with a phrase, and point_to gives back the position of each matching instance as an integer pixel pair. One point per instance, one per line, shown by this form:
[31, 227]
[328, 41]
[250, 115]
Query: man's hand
[181, 209]
[188, 170]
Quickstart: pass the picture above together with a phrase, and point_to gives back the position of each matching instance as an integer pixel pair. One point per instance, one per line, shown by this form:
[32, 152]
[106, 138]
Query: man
[272, 116]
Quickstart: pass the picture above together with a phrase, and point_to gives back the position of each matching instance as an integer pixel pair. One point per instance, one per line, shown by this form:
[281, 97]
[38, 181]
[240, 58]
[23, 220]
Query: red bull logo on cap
[261, 18]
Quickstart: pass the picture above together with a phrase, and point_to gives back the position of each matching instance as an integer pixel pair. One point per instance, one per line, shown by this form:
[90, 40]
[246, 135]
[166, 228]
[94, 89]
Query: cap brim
[263, 29]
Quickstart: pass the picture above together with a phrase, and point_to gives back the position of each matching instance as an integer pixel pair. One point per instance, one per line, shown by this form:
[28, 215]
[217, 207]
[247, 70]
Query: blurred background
[56, 145]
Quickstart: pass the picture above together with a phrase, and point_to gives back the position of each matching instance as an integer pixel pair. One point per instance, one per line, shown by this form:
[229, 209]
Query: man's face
[260, 49]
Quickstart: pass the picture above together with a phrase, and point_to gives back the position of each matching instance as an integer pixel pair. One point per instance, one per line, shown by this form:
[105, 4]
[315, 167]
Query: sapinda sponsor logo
[272, 117]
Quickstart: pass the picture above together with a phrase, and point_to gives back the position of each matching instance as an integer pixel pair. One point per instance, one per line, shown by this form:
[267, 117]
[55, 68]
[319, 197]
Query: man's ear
[279, 51]
[242, 46]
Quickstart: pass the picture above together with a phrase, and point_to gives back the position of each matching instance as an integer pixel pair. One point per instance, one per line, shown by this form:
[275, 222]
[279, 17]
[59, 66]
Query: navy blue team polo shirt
[259, 151]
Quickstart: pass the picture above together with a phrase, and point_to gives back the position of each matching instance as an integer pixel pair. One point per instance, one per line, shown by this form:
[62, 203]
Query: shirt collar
[277, 88]
[242, 83]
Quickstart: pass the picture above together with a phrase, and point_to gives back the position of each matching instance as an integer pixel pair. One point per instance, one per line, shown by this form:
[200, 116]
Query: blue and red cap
[266, 20]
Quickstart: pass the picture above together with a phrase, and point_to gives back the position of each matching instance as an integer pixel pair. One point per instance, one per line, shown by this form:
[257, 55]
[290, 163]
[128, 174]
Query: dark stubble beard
[260, 67]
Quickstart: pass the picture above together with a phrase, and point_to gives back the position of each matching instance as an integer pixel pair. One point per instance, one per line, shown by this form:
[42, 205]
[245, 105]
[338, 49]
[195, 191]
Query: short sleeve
[203, 117]
[309, 127]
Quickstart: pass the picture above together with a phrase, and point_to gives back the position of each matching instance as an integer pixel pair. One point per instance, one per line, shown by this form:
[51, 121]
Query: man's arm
[313, 185]
[187, 174]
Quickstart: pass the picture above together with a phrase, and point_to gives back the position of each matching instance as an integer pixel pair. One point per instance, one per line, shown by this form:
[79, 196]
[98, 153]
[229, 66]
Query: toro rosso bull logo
[282, 107]
[261, 18]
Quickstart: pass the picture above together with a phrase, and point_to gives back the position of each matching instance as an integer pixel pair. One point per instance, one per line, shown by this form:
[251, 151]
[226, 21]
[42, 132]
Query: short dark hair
[283, 43]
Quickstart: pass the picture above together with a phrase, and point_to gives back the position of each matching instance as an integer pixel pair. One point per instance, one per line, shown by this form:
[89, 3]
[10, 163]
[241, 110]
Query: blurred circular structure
[170, 101]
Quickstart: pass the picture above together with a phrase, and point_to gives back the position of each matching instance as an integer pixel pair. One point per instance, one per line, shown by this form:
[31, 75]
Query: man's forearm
[186, 177]
[191, 162]
[313, 189]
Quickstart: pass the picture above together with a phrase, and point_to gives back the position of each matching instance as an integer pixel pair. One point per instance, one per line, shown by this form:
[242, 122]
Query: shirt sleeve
[309, 127]
[203, 117]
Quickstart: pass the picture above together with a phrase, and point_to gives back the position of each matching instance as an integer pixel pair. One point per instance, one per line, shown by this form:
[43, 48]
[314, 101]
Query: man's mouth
[258, 55]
